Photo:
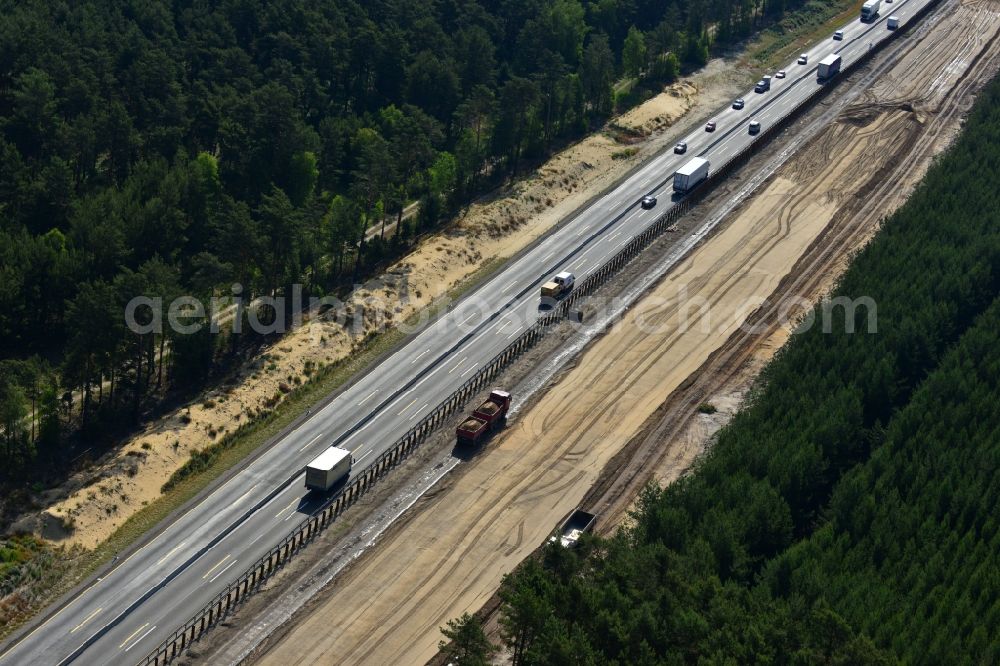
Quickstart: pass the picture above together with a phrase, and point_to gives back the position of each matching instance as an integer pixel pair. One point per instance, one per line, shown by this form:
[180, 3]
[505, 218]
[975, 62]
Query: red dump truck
[488, 417]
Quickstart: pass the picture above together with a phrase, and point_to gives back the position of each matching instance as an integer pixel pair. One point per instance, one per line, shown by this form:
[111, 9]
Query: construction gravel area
[626, 412]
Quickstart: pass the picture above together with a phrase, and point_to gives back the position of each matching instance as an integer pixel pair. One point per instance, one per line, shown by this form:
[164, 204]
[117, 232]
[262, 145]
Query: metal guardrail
[252, 577]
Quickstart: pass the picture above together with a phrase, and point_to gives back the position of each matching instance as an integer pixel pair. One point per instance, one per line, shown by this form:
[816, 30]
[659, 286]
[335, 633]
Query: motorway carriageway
[122, 616]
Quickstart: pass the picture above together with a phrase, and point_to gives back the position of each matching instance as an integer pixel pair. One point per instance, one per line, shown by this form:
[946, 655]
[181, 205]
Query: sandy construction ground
[451, 557]
[789, 240]
[912, 113]
[99, 499]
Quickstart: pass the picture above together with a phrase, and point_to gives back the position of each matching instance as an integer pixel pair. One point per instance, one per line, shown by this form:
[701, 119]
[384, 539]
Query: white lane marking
[509, 287]
[470, 369]
[400, 398]
[363, 456]
[293, 503]
[407, 407]
[616, 235]
[411, 363]
[60, 611]
[132, 635]
[223, 570]
[735, 135]
[429, 375]
[514, 332]
[548, 255]
[583, 231]
[579, 265]
[311, 441]
[419, 409]
[174, 550]
[86, 620]
[139, 640]
[244, 495]
[367, 397]
[350, 437]
[467, 319]
[256, 539]
[455, 367]
[503, 326]
[209, 573]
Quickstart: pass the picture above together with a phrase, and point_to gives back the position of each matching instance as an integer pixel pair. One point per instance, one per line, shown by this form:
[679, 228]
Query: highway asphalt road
[121, 617]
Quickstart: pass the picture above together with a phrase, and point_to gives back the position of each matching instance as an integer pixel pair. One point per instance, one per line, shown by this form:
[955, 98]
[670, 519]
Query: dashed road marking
[86, 620]
[139, 640]
[220, 562]
[174, 550]
[223, 570]
[132, 635]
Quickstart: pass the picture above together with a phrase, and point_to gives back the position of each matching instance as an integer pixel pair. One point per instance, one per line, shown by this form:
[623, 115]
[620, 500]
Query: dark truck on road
[488, 417]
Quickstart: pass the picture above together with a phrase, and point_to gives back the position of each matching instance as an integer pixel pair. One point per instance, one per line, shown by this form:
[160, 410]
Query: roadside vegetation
[798, 30]
[847, 513]
[158, 150]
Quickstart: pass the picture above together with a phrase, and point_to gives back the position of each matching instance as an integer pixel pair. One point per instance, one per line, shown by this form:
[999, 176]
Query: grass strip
[813, 23]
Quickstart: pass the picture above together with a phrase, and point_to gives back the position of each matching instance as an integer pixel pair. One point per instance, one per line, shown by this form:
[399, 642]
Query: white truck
[764, 84]
[869, 10]
[828, 66]
[892, 23]
[328, 468]
[689, 175]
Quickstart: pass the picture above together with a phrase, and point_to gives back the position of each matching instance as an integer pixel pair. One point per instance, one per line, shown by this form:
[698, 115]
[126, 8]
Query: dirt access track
[612, 420]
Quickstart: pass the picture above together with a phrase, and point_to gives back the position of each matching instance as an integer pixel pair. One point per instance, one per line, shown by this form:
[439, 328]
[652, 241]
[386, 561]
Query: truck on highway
[869, 10]
[828, 67]
[764, 84]
[892, 23]
[485, 419]
[328, 468]
[689, 175]
[573, 527]
[561, 284]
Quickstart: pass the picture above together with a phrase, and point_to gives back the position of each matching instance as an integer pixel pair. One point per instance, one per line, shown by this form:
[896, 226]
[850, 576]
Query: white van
[561, 284]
